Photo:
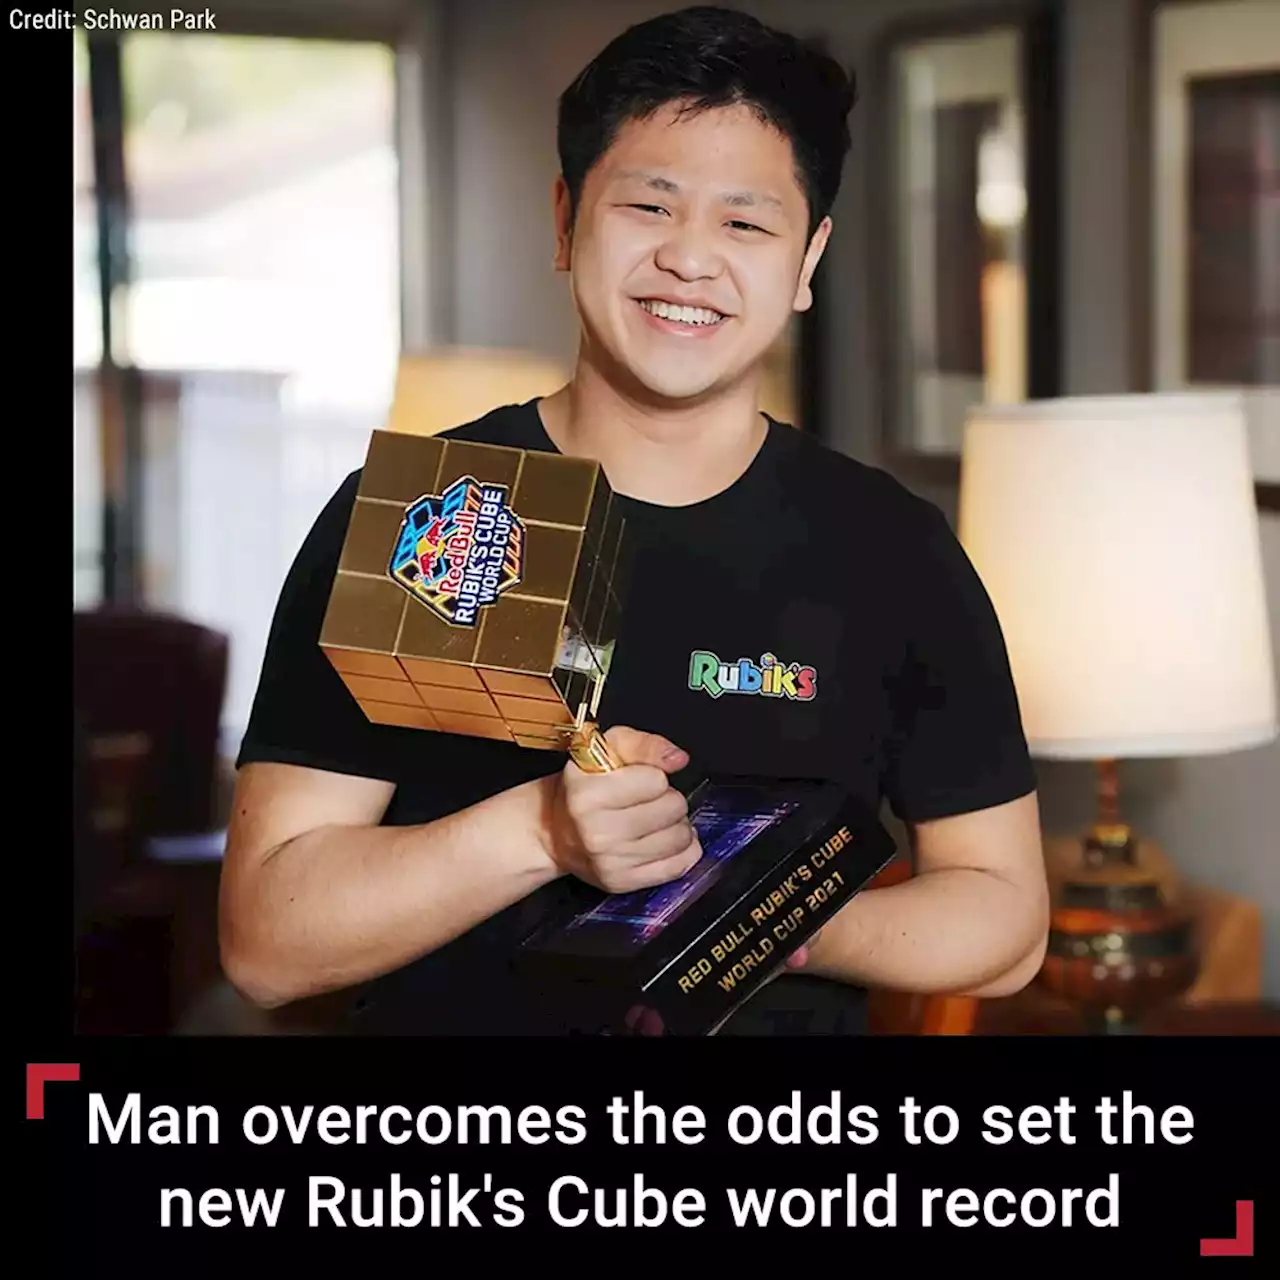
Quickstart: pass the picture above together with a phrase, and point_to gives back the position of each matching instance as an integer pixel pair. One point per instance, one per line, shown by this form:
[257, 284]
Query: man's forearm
[341, 905]
[941, 932]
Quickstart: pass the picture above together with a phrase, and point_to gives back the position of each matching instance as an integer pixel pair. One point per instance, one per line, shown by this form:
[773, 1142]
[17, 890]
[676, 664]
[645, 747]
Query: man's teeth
[685, 315]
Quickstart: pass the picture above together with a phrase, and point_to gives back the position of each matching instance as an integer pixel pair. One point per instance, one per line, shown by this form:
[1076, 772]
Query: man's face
[690, 250]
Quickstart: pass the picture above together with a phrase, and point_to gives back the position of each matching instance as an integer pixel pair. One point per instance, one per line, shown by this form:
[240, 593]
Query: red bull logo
[457, 552]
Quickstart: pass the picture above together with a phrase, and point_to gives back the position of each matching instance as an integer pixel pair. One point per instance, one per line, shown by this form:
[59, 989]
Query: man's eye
[744, 226]
[649, 208]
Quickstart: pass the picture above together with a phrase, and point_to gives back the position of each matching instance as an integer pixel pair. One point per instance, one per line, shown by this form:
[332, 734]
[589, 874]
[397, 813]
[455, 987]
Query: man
[700, 153]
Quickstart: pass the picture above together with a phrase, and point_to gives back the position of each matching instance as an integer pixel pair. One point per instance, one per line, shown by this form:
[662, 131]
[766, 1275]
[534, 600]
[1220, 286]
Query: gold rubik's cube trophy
[479, 592]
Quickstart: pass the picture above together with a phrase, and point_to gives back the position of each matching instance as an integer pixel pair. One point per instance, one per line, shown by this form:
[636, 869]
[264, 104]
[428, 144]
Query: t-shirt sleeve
[302, 713]
[958, 743]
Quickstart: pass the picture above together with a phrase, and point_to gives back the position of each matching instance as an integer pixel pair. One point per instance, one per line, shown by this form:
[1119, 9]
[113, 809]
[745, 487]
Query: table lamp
[445, 387]
[1118, 540]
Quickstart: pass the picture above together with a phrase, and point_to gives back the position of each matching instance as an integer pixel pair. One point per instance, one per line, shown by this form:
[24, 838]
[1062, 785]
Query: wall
[1218, 819]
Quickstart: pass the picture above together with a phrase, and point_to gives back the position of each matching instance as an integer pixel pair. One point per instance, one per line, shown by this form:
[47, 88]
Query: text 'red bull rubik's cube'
[478, 589]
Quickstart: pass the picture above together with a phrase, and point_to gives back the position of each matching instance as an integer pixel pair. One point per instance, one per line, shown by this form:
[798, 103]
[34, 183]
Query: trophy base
[780, 859]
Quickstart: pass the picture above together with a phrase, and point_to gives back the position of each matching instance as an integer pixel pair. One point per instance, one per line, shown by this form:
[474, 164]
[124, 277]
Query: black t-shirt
[811, 557]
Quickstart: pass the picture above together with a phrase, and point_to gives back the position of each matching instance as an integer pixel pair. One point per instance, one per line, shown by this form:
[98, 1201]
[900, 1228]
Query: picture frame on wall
[1214, 209]
[964, 221]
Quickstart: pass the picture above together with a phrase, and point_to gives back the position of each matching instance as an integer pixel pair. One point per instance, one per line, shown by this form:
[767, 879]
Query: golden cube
[478, 589]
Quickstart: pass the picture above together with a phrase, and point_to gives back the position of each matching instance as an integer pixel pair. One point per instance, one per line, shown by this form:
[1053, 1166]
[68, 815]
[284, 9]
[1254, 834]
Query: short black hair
[706, 57]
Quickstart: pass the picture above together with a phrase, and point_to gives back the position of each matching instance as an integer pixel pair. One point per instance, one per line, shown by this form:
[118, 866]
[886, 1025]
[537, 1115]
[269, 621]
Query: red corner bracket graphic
[1241, 1244]
[38, 1075]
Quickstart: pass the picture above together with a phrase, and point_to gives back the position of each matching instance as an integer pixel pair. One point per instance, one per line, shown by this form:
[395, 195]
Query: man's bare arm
[315, 896]
[972, 921]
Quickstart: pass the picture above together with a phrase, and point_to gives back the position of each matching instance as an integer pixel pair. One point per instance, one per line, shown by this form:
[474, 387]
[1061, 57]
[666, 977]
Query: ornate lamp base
[1119, 942]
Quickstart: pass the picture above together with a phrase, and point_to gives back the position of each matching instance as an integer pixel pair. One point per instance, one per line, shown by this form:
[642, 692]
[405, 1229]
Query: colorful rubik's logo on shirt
[768, 679]
[457, 552]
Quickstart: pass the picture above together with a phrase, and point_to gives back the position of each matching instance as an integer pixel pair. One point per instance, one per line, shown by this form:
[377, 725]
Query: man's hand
[627, 829]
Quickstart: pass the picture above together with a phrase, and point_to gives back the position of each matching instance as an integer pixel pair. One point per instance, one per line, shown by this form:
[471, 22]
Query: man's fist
[629, 828]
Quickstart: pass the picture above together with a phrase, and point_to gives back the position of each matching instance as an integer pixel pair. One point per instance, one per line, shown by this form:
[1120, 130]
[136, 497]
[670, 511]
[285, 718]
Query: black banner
[210, 1152]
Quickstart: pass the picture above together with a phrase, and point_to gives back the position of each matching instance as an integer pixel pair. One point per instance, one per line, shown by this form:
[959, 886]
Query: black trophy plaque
[780, 858]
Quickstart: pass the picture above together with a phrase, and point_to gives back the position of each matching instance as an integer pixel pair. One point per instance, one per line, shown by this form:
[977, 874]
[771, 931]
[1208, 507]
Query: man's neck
[669, 456]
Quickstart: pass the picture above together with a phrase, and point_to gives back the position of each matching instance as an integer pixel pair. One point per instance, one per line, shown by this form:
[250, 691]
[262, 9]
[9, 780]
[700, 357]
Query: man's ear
[564, 224]
[804, 295]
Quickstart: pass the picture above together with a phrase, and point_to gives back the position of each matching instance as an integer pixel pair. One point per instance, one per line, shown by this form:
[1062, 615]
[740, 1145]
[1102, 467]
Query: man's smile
[684, 319]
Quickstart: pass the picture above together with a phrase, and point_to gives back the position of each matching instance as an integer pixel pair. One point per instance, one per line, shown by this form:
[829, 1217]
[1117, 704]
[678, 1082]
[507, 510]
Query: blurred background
[268, 218]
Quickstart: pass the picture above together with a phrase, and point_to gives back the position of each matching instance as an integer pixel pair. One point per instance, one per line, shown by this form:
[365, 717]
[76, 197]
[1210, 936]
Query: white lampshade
[1118, 539]
[448, 386]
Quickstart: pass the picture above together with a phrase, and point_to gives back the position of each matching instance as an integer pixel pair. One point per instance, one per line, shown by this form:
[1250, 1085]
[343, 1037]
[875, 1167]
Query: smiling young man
[700, 156]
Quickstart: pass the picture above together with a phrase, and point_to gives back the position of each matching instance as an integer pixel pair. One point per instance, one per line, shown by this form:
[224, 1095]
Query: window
[263, 183]
[263, 307]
